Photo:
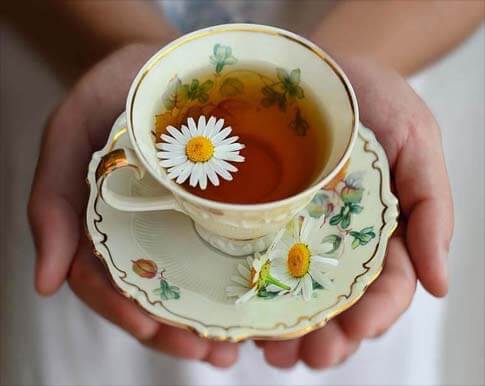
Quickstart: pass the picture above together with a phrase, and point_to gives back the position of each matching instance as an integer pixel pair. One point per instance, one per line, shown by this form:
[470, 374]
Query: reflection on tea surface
[275, 116]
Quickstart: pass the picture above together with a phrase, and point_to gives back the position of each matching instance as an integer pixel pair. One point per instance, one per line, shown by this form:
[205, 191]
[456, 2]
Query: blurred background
[435, 341]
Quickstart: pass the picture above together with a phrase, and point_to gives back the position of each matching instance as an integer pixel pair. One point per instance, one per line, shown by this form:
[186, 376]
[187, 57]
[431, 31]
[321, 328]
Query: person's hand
[77, 128]
[411, 138]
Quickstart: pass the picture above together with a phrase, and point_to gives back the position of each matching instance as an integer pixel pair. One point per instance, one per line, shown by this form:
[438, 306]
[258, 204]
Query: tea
[277, 119]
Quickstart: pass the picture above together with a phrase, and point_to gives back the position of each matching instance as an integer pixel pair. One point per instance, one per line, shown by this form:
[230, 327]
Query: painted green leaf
[176, 95]
[268, 102]
[345, 221]
[230, 60]
[295, 76]
[219, 67]
[222, 55]
[336, 240]
[336, 219]
[265, 294]
[316, 285]
[282, 74]
[207, 85]
[355, 243]
[356, 208]
[233, 86]
[167, 291]
[368, 229]
[299, 124]
[299, 93]
[282, 102]
[203, 98]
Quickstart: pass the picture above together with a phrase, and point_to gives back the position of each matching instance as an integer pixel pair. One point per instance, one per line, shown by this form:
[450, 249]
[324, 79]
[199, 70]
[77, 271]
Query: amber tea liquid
[275, 116]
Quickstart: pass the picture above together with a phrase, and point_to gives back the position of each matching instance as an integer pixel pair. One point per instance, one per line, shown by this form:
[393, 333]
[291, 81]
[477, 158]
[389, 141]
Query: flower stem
[271, 280]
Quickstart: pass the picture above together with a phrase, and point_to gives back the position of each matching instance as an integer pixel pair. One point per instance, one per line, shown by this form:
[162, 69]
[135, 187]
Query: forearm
[406, 35]
[103, 26]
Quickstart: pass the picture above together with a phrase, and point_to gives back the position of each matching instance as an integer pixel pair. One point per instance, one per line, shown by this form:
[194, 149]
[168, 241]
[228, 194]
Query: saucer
[158, 260]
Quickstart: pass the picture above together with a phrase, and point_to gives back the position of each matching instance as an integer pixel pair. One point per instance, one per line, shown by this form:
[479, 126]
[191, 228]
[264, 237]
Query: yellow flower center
[263, 275]
[298, 260]
[199, 149]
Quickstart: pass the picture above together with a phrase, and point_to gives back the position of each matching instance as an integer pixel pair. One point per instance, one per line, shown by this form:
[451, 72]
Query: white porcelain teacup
[234, 229]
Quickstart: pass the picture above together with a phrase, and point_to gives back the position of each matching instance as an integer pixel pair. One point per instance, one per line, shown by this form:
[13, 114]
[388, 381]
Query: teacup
[234, 229]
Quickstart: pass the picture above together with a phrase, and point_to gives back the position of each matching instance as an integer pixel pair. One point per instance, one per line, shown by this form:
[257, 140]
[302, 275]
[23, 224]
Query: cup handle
[126, 158]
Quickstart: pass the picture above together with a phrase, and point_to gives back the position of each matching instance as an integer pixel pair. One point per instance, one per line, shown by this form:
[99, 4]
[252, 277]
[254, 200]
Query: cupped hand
[418, 250]
[80, 126]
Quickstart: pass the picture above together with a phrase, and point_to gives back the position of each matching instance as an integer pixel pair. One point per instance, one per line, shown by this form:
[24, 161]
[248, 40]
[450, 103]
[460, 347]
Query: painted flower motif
[145, 268]
[286, 90]
[353, 189]
[222, 55]
[200, 152]
[299, 256]
[253, 276]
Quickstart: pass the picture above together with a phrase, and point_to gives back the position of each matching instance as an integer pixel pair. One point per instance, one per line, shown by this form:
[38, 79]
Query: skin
[401, 122]
[390, 33]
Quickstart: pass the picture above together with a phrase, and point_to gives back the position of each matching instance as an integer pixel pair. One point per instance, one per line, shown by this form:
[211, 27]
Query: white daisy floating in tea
[200, 152]
[299, 256]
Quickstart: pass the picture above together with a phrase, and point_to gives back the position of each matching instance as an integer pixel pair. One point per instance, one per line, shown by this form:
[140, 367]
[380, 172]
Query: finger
[428, 206]
[326, 346]
[89, 281]
[59, 192]
[282, 354]
[55, 226]
[411, 138]
[223, 354]
[56, 203]
[385, 300]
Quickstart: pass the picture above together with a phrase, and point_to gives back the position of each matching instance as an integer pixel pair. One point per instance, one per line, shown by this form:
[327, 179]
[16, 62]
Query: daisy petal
[239, 280]
[306, 228]
[247, 296]
[234, 291]
[218, 126]
[226, 165]
[176, 134]
[216, 139]
[203, 177]
[307, 287]
[325, 260]
[168, 138]
[175, 171]
[228, 141]
[209, 127]
[322, 279]
[192, 127]
[171, 147]
[185, 173]
[229, 156]
[244, 271]
[169, 154]
[211, 174]
[201, 125]
[186, 133]
[194, 176]
[230, 148]
[221, 171]
[173, 161]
